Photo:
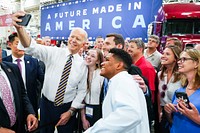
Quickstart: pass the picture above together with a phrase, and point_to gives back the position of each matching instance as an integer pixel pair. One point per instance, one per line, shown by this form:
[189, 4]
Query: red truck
[181, 20]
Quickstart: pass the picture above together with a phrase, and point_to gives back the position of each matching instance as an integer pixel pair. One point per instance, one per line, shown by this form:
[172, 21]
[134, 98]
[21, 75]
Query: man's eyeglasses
[164, 88]
[183, 59]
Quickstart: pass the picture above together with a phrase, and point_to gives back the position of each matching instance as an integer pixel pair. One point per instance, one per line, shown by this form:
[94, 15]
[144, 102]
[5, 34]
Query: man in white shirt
[55, 60]
[124, 107]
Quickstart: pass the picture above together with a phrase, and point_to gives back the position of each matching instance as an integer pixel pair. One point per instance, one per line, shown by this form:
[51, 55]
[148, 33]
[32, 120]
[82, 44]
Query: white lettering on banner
[95, 10]
[78, 13]
[56, 15]
[47, 27]
[70, 13]
[100, 23]
[109, 9]
[60, 15]
[84, 12]
[139, 20]
[136, 5]
[66, 14]
[118, 7]
[103, 9]
[86, 24]
[71, 24]
[59, 26]
[114, 22]
[49, 16]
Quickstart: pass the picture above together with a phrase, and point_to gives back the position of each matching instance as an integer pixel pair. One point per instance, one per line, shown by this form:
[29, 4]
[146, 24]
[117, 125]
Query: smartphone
[25, 19]
[184, 97]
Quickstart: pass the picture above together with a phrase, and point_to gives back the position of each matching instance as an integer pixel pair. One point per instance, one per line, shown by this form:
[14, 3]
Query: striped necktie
[7, 100]
[63, 82]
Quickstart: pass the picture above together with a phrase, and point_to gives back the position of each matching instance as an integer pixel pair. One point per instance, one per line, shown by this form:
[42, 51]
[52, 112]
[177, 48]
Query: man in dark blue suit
[4, 53]
[31, 71]
[22, 106]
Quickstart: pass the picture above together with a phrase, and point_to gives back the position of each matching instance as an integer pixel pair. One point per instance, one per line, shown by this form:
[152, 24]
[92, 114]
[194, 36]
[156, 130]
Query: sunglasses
[164, 88]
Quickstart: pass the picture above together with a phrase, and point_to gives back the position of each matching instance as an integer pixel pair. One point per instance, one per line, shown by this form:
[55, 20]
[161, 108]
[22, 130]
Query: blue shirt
[181, 123]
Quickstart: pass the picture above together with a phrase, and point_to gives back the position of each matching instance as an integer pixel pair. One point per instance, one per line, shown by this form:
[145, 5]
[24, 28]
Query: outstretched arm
[22, 34]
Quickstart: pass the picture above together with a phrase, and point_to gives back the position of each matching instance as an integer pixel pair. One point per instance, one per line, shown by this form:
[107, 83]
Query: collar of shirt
[14, 59]
[140, 61]
[117, 76]
[146, 55]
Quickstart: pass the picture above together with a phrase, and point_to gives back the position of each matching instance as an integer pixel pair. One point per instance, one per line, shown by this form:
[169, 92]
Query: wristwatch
[72, 112]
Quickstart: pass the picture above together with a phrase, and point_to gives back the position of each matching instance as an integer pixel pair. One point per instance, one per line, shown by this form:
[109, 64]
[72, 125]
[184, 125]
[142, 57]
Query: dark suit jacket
[4, 53]
[34, 77]
[22, 104]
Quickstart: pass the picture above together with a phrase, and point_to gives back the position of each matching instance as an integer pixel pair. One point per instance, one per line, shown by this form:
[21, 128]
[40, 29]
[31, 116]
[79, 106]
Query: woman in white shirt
[169, 81]
[92, 111]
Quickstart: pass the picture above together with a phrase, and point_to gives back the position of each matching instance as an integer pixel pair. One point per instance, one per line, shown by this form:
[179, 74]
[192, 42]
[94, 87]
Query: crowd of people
[114, 87]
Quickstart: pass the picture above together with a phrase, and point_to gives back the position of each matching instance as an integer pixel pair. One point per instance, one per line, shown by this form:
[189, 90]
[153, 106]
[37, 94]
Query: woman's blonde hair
[195, 55]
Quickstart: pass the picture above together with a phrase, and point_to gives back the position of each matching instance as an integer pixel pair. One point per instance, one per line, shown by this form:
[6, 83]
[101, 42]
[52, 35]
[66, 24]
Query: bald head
[197, 46]
[46, 41]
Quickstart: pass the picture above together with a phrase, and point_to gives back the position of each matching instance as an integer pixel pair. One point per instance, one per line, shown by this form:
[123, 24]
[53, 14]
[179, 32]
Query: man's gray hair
[156, 38]
[81, 30]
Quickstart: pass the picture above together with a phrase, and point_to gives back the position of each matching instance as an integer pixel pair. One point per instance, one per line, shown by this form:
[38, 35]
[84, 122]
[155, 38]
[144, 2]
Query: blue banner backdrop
[99, 17]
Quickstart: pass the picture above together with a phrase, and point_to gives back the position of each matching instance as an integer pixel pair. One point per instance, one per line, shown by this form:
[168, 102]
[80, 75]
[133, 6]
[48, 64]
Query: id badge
[89, 111]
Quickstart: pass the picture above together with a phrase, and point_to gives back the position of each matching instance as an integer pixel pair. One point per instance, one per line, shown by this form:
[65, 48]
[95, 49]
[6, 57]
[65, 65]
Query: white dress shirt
[124, 108]
[92, 97]
[22, 62]
[54, 59]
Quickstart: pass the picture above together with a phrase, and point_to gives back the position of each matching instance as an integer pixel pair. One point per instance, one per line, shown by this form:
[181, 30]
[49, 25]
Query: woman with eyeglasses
[169, 81]
[186, 119]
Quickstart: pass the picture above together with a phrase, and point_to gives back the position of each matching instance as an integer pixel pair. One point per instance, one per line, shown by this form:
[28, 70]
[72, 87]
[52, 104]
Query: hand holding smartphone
[183, 96]
[25, 19]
